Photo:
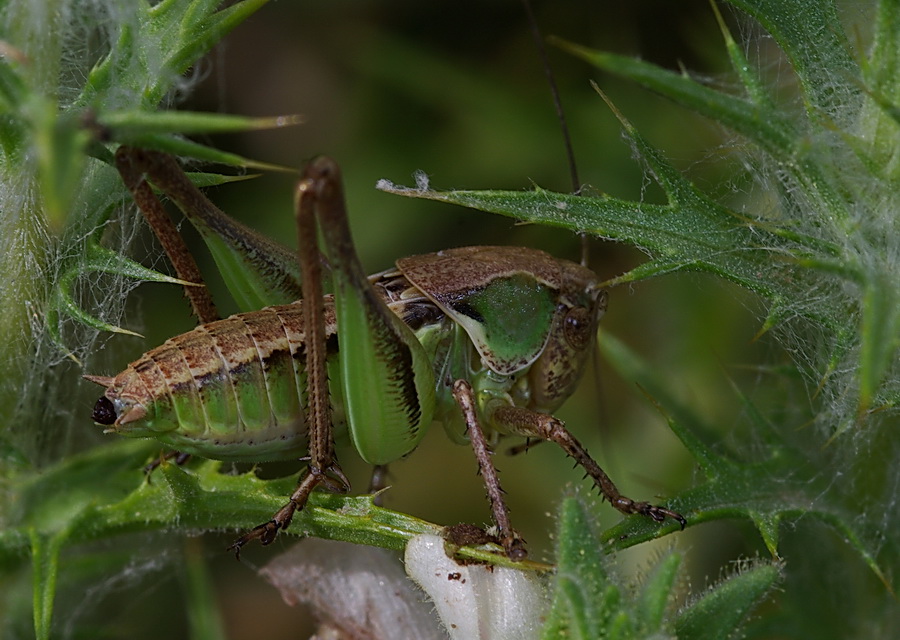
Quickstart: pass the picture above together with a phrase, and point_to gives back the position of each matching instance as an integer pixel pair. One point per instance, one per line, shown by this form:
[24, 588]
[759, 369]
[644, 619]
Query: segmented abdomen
[234, 389]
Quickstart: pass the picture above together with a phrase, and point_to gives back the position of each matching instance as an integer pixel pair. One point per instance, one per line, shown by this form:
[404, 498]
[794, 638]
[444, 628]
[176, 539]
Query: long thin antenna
[573, 173]
[560, 113]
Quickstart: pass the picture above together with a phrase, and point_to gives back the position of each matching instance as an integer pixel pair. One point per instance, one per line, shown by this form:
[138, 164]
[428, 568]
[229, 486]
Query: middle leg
[531, 424]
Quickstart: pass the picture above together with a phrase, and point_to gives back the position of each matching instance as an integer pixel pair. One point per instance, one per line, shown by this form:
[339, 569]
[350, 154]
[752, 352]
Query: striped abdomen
[234, 389]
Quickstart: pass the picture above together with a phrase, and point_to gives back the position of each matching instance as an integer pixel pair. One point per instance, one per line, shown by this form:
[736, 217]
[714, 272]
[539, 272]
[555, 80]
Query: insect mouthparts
[104, 411]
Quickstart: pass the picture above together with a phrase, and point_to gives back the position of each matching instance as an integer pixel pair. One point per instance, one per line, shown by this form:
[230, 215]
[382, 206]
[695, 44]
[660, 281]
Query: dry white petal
[477, 602]
[362, 591]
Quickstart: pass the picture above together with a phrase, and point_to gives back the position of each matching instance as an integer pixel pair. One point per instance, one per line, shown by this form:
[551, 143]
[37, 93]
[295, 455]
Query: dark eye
[104, 411]
[578, 327]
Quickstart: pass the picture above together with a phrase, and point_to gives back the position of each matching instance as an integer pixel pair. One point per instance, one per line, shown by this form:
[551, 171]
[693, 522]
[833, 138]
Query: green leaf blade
[725, 607]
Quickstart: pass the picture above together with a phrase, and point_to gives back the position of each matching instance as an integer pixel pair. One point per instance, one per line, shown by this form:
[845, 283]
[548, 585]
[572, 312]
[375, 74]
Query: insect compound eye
[577, 327]
[104, 411]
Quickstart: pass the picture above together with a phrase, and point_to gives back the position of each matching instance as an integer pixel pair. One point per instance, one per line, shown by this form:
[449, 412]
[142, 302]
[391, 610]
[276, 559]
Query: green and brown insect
[489, 341]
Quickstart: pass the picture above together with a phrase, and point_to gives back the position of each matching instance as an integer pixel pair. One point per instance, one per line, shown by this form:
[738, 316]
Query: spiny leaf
[880, 333]
[700, 237]
[204, 614]
[725, 606]
[198, 28]
[45, 551]
[589, 602]
[190, 149]
[102, 260]
[103, 493]
[584, 600]
[780, 483]
[173, 35]
[656, 596]
[756, 90]
[811, 35]
[125, 124]
[759, 122]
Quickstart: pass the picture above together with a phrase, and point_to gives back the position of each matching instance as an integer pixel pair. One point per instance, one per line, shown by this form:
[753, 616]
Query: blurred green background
[457, 90]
